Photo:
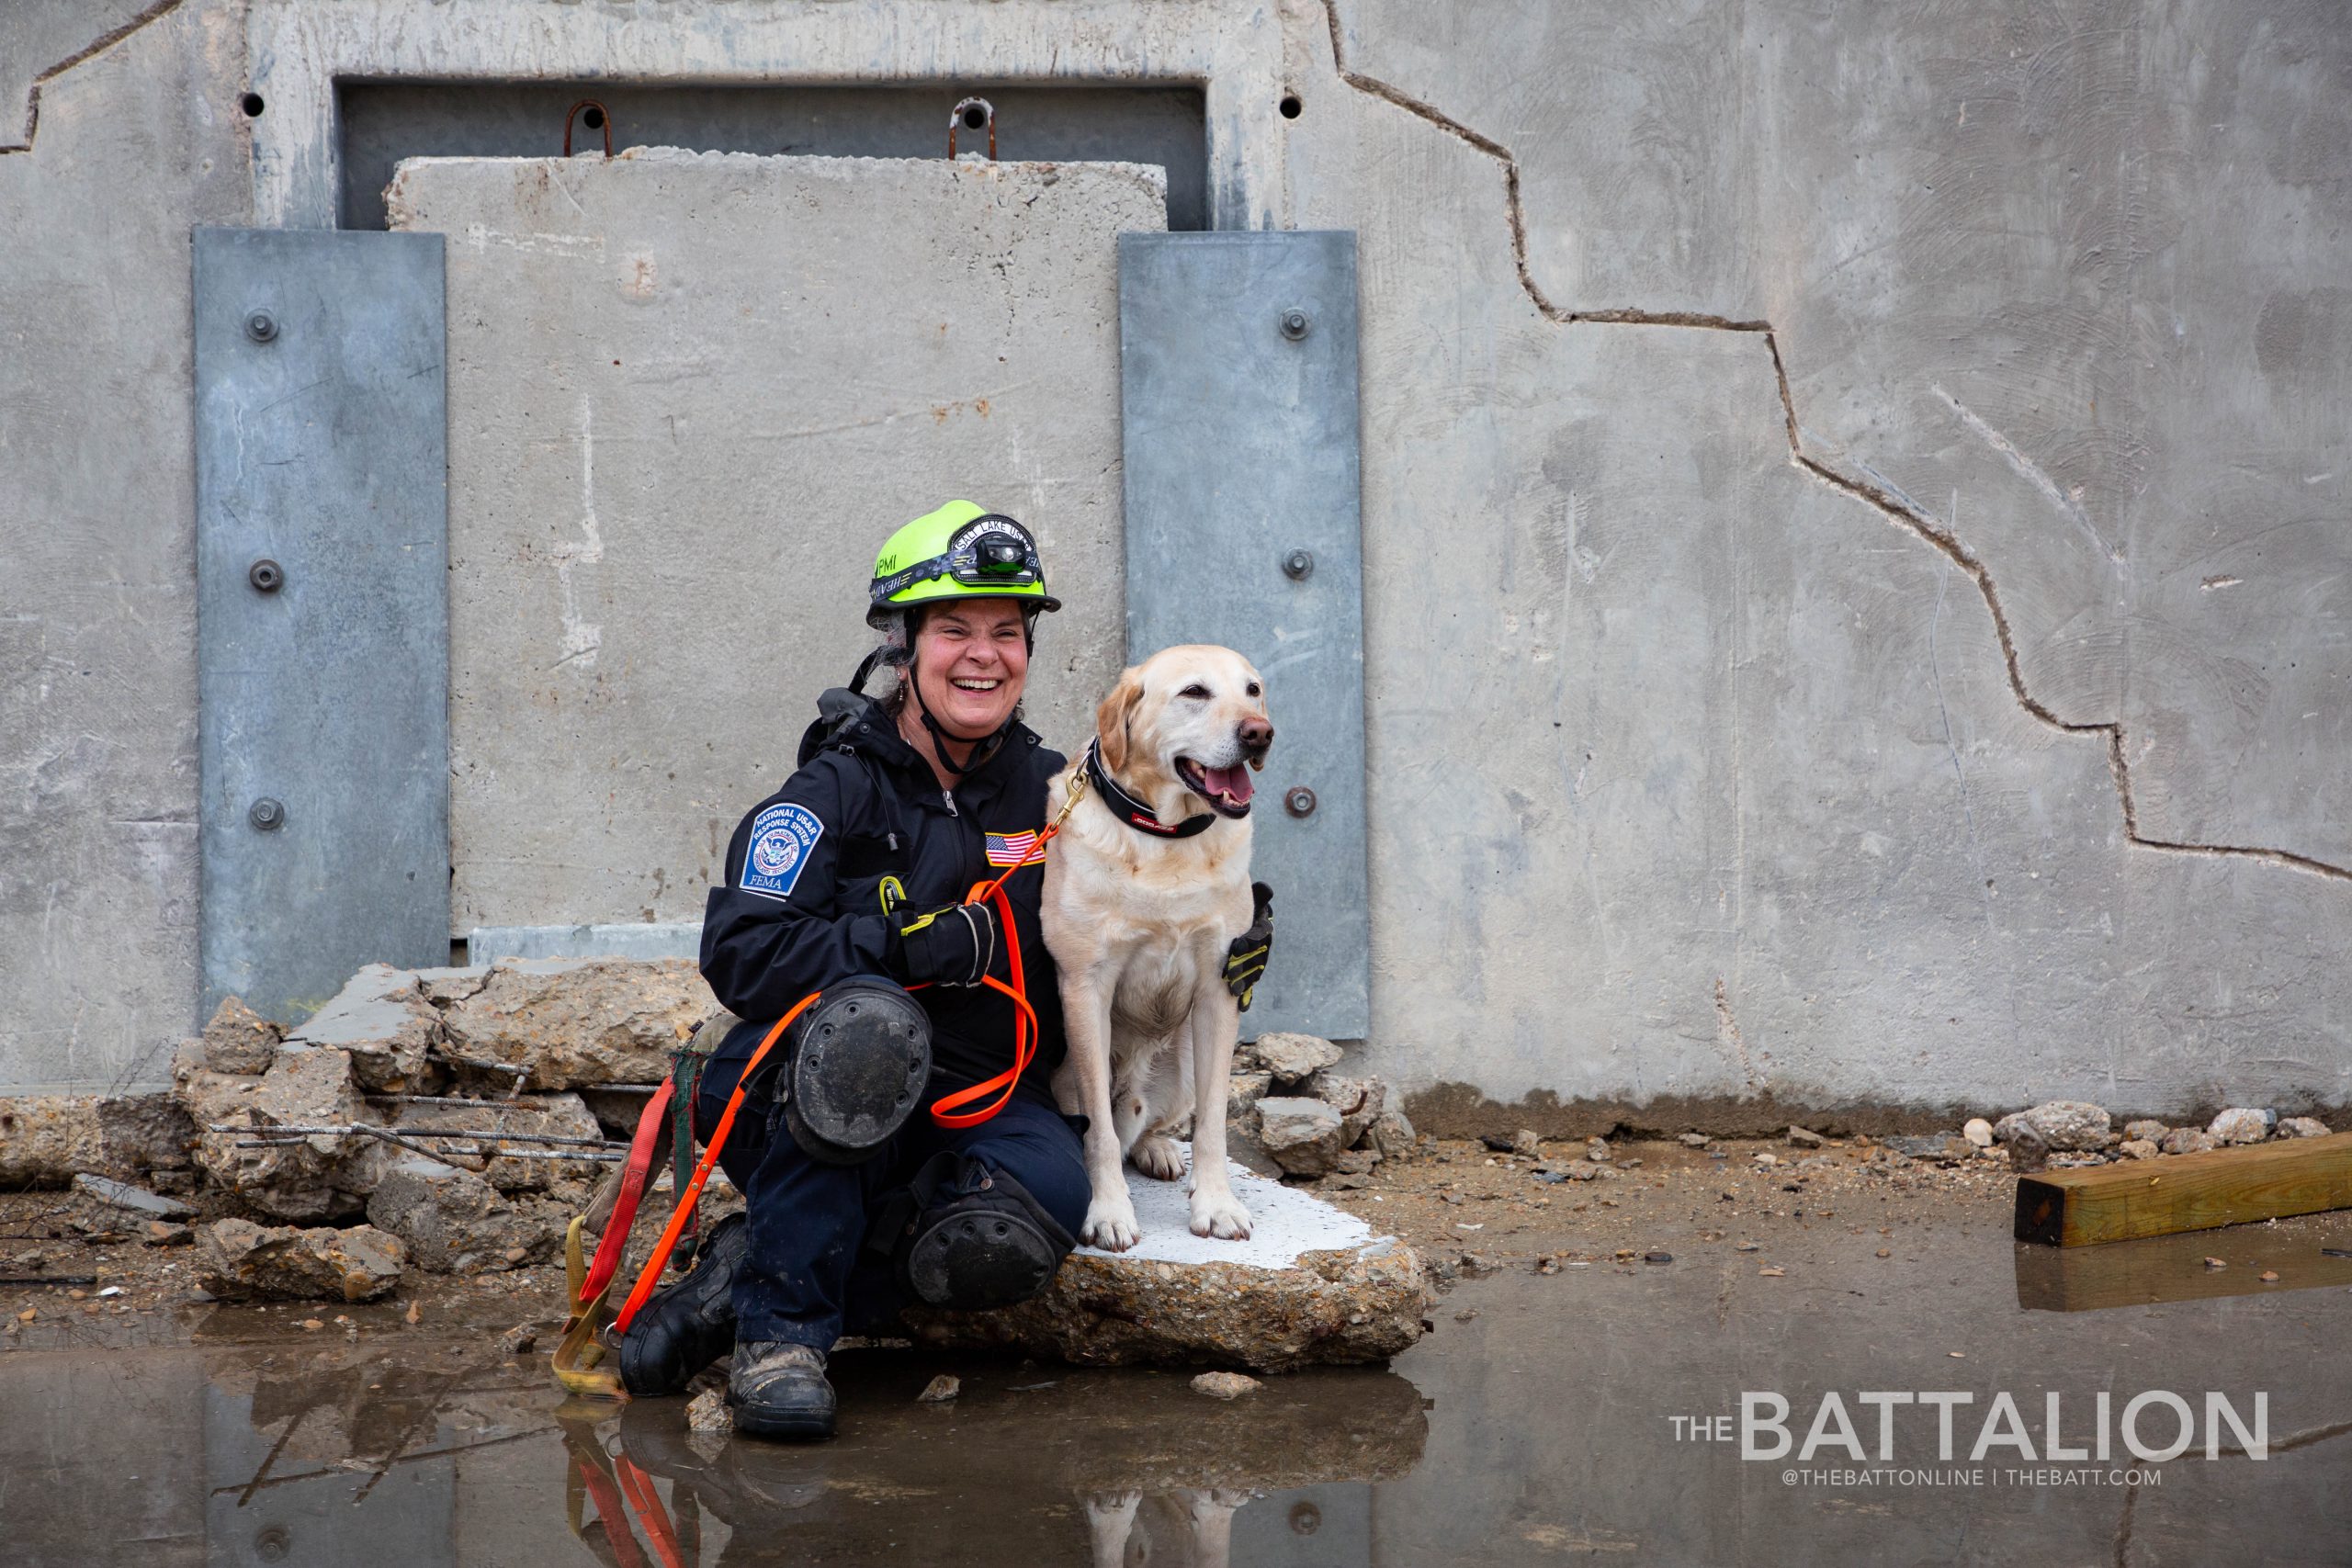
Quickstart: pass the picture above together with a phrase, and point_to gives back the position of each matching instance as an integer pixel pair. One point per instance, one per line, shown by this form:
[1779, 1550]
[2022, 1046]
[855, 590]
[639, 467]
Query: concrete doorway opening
[379, 123]
[689, 392]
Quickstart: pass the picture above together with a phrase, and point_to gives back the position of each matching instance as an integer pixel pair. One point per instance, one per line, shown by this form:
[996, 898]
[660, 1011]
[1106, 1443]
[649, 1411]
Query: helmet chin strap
[983, 746]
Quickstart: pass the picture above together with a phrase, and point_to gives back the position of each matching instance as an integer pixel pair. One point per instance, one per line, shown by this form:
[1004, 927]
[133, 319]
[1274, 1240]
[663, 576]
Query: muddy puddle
[1591, 1414]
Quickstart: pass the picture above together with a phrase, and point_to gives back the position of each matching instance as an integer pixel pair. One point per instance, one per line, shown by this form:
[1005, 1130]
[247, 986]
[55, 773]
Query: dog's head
[1190, 716]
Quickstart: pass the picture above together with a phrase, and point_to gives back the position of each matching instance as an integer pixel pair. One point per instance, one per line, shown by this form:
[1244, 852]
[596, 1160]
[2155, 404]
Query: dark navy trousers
[808, 1277]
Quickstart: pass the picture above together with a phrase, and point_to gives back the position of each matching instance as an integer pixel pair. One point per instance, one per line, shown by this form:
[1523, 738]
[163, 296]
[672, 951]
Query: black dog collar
[1135, 812]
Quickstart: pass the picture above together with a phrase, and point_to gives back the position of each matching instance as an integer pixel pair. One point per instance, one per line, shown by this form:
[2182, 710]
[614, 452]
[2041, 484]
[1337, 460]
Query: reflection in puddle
[2174, 1269]
[1550, 1437]
[1104, 1468]
[447, 1455]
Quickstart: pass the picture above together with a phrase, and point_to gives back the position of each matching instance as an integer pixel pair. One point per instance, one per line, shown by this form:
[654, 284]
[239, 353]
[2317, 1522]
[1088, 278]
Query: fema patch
[782, 838]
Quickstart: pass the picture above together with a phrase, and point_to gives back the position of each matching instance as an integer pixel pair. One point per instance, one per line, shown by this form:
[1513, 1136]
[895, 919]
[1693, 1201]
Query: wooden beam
[2186, 1193]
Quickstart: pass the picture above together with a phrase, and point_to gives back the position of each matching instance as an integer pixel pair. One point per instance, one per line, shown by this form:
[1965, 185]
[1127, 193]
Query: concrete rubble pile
[421, 1119]
[2060, 1134]
[1290, 1112]
[383, 1137]
[440, 1106]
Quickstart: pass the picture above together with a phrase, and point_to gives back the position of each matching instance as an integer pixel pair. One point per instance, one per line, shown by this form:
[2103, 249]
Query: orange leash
[947, 1111]
[651, 1275]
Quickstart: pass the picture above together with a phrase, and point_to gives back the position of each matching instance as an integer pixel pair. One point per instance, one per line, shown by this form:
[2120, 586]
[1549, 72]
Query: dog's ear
[1113, 719]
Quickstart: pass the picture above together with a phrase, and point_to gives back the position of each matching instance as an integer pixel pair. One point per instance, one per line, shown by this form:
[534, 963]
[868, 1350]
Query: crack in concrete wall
[90, 50]
[1727, 1032]
[1878, 496]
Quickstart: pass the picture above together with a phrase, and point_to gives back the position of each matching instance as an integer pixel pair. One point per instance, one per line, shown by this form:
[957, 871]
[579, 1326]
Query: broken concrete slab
[547, 1115]
[1312, 1284]
[48, 1140]
[563, 1023]
[1390, 1134]
[150, 1134]
[242, 1260]
[1303, 1135]
[301, 1179]
[45, 1139]
[455, 1222]
[382, 1019]
[1294, 1058]
[2063, 1125]
[1357, 1101]
[239, 1040]
[1242, 1093]
[137, 1200]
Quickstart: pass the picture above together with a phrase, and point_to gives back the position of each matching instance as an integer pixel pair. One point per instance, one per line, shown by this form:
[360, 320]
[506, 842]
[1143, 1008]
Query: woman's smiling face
[971, 660]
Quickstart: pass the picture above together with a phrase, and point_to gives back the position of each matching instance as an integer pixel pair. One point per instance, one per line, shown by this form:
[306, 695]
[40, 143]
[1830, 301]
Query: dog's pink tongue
[1232, 783]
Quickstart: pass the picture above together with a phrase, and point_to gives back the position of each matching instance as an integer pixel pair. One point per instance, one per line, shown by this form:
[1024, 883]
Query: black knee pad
[976, 1238]
[860, 1058]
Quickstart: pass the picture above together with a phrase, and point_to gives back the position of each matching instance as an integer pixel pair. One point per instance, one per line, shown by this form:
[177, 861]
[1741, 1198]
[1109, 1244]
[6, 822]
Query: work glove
[1245, 960]
[952, 946]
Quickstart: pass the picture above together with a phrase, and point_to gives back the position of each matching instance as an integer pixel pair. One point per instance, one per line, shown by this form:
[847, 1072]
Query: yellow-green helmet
[961, 551]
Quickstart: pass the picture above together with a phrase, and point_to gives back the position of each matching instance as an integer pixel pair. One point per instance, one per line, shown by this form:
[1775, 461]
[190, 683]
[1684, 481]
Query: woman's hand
[952, 946]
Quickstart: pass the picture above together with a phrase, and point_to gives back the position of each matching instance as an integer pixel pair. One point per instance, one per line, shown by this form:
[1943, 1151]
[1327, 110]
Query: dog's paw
[1111, 1224]
[1157, 1156]
[1220, 1215]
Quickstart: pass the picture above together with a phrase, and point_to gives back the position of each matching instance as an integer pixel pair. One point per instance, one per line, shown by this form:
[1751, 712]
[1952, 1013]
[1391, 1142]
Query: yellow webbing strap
[578, 1355]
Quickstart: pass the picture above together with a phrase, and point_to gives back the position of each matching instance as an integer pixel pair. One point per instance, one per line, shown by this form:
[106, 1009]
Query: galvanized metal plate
[1237, 385]
[321, 484]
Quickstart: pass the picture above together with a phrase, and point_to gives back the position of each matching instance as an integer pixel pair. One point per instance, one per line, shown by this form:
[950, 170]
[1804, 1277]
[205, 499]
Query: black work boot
[779, 1391]
[689, 1323]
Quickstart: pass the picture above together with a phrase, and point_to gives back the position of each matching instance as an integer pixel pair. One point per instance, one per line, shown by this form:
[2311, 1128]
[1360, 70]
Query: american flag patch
[1011, 848]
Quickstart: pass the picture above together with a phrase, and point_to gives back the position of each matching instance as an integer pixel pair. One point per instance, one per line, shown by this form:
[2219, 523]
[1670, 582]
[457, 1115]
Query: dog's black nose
[1257, 734]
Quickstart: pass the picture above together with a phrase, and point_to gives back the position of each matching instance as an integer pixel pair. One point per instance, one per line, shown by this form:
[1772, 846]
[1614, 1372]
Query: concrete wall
[130, 145]
[1854, 497]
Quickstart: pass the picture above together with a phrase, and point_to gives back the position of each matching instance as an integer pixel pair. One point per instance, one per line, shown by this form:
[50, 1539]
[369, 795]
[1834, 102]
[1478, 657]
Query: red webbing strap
[635, 1178]
[597, 1475]
[646, 1504]
[651, 1276]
